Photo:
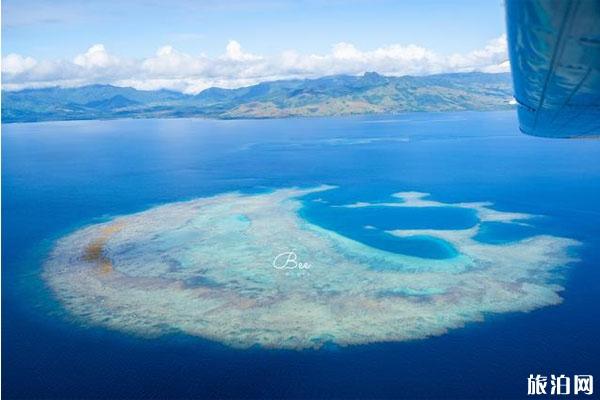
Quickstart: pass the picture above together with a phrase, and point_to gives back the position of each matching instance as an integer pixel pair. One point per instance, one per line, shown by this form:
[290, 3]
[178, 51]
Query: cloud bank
[171, 69]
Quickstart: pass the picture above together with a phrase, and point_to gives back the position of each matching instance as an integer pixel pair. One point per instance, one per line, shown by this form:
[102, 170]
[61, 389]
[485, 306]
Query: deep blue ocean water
[59, 176]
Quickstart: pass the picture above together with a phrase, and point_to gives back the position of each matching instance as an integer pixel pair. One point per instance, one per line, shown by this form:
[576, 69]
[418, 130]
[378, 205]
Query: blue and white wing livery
[554, 48]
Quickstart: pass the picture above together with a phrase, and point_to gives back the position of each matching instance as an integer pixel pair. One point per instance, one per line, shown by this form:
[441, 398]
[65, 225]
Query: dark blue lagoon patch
[422, 246]
[370, 226]
[500, 232]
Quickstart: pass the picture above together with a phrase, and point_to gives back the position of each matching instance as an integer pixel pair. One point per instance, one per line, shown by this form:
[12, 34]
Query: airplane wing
[554, 49]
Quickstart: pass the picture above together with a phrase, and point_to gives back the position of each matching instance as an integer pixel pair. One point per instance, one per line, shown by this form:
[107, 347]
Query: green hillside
[370, 93]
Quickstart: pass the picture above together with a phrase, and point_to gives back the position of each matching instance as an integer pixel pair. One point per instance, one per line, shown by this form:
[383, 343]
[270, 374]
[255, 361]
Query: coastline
[250, 118]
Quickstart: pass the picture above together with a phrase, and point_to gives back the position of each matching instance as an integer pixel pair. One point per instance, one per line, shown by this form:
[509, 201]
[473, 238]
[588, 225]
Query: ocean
[59, 177]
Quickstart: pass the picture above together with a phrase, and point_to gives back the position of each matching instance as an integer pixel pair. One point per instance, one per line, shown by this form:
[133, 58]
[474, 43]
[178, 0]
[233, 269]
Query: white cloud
[494, 54]
[504, 66]
[16, 64]
[171, 69]
[96, 57]
[345, 51]
[234, 52]
[169, 62]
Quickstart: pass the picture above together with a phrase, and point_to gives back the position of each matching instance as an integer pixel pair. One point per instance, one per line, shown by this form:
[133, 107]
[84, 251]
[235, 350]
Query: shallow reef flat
[206, 268]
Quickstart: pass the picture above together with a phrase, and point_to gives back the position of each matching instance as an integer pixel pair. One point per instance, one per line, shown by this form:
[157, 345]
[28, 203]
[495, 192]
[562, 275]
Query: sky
[188, 45]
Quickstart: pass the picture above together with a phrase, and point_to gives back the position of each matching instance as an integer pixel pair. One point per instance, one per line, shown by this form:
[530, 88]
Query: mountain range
[370, 93]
